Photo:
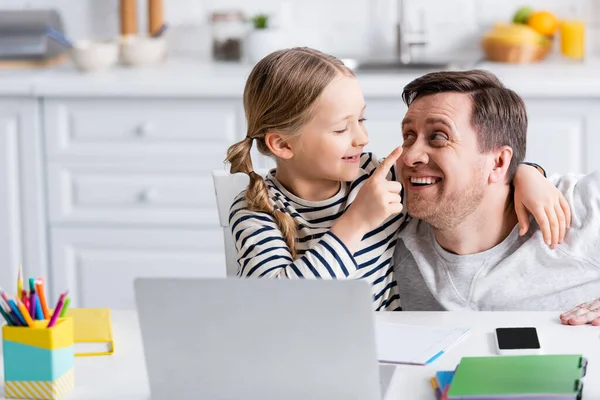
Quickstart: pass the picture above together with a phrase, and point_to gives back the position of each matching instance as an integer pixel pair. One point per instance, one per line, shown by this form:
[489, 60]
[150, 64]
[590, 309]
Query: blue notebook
[444, 378]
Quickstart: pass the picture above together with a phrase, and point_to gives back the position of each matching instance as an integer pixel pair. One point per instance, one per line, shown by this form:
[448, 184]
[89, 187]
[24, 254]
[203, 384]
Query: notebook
[522, 377]
[411, 344]
[92, 331]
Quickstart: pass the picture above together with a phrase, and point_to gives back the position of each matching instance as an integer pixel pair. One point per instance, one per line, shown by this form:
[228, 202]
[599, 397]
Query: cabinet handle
[144, 129]
[146, 195]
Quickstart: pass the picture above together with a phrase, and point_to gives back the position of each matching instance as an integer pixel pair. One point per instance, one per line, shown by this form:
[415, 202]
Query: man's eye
[438, 136]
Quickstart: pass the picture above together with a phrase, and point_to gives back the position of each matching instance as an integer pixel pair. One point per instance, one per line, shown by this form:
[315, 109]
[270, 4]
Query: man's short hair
[498, 115]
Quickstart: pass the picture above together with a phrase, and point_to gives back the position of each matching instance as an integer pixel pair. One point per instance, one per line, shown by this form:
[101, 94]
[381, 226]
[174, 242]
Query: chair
[227, 187]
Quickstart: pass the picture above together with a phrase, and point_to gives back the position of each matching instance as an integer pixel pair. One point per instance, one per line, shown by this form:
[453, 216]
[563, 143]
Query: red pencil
[25, 298]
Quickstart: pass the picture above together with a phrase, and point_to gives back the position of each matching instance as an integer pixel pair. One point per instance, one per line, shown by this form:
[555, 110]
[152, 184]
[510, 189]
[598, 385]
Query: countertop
[189, 78]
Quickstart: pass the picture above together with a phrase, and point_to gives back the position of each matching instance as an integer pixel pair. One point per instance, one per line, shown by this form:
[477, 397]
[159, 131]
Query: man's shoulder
[413, 228]
[415, 235]
[582, 192]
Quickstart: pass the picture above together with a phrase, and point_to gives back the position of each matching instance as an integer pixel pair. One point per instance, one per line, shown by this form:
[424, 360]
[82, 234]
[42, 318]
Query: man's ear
[279, 145]
[502, 158]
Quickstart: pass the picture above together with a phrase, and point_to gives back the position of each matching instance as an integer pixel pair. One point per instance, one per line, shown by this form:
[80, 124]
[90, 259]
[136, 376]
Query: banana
[518, 34]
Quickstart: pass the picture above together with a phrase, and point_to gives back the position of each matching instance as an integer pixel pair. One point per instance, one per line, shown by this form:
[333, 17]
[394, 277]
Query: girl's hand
[376, 200]
[379, 198]
[537, 195]
[586, 313]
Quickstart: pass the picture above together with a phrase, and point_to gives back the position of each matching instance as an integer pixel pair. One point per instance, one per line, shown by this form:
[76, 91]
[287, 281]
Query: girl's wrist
[350, 229]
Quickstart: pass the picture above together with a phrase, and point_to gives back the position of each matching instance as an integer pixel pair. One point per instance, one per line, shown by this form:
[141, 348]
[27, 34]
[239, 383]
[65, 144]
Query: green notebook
[520, 377]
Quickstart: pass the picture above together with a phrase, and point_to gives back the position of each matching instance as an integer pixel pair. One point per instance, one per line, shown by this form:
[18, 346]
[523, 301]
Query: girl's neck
[305, 187]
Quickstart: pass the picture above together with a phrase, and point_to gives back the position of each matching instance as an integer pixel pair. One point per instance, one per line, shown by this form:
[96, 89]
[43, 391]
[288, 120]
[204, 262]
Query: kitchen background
[341, 27]
[106, 175]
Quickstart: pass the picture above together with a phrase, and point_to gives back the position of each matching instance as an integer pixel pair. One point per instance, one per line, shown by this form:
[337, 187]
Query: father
[464, 135]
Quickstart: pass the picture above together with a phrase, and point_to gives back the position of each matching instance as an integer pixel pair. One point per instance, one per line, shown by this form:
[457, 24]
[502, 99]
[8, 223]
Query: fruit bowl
[515, 43]
[499, 51]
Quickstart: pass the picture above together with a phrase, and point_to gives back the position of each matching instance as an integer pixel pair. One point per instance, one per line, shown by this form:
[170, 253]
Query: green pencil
[7, 317]
[64, 309]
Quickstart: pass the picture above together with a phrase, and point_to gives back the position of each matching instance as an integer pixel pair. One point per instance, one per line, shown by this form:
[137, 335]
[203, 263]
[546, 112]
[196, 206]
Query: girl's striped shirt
[262, 251]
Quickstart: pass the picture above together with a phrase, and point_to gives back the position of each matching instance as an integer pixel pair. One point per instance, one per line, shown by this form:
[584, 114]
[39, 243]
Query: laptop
[259, 339]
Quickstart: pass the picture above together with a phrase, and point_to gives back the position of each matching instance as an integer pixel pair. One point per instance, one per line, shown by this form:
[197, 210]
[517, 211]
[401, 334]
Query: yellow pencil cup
[38, 361]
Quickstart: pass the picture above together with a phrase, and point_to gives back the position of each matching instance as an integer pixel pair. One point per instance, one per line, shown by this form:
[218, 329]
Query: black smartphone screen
[517, 338]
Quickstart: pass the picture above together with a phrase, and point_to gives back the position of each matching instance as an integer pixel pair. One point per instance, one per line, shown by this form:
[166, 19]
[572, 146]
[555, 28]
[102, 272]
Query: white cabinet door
[98, 266]
[10, 202]
[194, 131]
[22, 231]
[557, 137]
[156, 194]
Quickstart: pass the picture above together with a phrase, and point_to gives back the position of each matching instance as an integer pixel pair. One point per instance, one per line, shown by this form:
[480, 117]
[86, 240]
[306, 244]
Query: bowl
[94, 56]
[515, 53]
[143, 50]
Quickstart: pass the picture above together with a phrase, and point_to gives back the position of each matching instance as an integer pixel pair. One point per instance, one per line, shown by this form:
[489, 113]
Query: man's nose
[415, 154]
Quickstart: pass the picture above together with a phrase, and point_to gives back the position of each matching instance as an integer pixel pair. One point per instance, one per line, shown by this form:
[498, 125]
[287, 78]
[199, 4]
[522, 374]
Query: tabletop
[123, 374]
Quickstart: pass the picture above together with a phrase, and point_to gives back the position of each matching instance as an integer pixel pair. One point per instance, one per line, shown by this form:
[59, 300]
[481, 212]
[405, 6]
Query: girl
[328, 210]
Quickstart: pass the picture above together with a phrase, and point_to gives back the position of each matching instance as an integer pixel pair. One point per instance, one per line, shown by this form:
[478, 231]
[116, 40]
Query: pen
[57, 310]
[32, 303]
[39, 287]
[20, 280]
[65, 307]
[24, 313]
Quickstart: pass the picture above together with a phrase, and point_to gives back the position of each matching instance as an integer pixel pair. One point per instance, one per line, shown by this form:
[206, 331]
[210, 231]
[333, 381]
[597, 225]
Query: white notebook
[411, 344]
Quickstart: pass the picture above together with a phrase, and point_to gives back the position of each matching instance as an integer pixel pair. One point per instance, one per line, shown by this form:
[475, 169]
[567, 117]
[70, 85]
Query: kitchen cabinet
[130, 191]
[22, 219]
[99, 266]
[558, 136]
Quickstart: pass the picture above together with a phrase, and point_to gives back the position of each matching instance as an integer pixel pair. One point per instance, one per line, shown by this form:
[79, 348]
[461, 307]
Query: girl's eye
[341, 131]
[362, 120]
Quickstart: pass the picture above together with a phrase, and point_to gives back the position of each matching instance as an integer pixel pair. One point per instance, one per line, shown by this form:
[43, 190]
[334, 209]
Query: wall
[337, 26]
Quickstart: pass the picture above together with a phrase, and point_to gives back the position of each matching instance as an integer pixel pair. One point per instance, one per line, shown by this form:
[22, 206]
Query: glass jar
[228, 30]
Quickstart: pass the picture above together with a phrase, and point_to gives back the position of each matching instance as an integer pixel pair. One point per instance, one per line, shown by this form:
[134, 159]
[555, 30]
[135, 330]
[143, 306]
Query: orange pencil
[24, 312]
[39, 288]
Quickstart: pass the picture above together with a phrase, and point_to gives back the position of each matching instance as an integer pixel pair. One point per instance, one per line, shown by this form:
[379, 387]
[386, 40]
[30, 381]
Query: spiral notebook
[413, 344]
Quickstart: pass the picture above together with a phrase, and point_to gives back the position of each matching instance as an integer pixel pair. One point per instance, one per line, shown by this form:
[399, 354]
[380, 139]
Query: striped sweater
[262, 251]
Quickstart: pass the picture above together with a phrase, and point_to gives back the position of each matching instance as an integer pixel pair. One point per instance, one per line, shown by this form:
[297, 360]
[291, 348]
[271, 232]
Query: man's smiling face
[441, 167]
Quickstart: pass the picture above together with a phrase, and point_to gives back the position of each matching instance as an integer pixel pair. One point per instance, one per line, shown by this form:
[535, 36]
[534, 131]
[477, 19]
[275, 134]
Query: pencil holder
[38, 361]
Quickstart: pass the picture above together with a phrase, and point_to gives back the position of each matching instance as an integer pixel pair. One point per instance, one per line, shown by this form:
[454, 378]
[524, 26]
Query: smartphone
[517, 341]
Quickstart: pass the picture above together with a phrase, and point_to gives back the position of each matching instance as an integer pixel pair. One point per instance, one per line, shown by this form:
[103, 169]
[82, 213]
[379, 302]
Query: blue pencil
[15, 309]
[39, 314]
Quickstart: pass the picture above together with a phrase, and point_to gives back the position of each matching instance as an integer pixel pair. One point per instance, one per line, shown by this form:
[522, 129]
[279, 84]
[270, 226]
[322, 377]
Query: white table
[123, 375]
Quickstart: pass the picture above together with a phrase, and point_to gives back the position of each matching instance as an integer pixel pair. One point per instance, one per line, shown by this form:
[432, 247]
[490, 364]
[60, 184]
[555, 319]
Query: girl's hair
[279, 96]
